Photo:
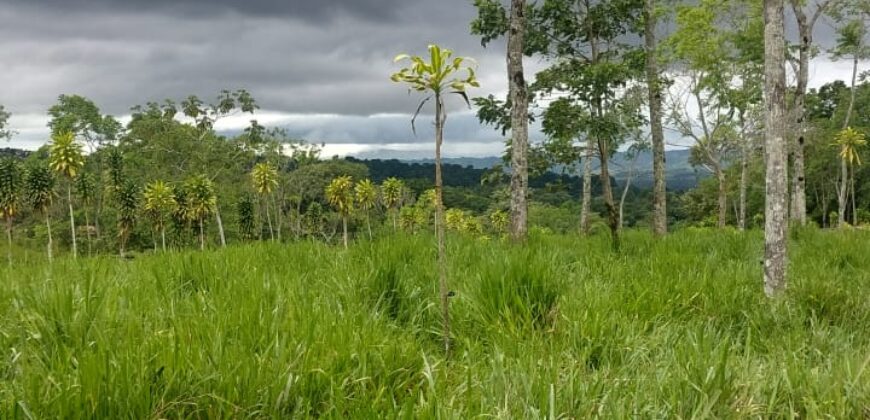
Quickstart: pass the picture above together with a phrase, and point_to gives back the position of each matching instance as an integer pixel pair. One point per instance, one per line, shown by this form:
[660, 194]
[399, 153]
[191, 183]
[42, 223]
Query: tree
[339, 193]
[127, 201]
[5, 132]
[199, 203]
[805, 24]
[10, 197]
[392, 190]
[86, 190]
[159, 204]
[39, 186]
[653, 80]
[519, 122]
[438, 77]
[850, 43]
[245, 212]
[366, 197]
[776, 176]
[265, 178]
[66, 159]
[849, 141]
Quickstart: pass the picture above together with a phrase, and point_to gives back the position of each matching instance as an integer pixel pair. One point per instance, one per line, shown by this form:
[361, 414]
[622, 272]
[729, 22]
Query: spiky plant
[264, 178]
[200, 203]
[127, 199]
[66, 158]
[159, 205]
[10, 196]
[86, 189]
[392, 190]
[339, 193]
[498, 219]
[245, 212]
[39, 187]
[366, 195]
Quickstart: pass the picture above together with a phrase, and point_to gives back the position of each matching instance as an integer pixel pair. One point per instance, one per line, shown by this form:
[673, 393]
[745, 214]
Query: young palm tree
[10, 195]
[159, 205]
[66, 158]
[366, 197]
[849, 141]
[265, 178]
[437, 77]
[127, 197]
[245, 210]
[339, 193]
[392, 190]
[39, 185]
[200, 202]
[86, 190]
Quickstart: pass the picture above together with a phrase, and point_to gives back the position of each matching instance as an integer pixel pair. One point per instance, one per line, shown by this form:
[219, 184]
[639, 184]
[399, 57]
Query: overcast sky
[319, 68]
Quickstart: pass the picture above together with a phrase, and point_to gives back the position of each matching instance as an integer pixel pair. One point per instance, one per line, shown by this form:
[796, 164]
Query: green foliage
[11, 184]
[5, 132]
[246, 216]
[365, 194]
[39, 186]
[127, 201]
[264, 177]
[159, 198]
[66, 156]
[339, 193]
[199, 198]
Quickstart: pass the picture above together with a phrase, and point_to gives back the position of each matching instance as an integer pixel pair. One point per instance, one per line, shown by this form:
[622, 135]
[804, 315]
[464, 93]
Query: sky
[319, 68]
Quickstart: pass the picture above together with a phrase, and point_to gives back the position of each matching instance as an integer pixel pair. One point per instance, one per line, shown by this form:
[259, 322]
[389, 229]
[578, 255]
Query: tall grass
[562, 328]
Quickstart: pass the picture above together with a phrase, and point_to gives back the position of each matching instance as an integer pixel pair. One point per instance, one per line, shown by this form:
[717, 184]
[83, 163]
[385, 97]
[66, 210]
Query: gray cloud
[299, 58]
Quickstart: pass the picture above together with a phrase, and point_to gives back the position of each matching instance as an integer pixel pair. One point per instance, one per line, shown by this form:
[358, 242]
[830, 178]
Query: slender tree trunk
[9, 238]
[72, 220]
[842, 195]
[201, 236]
[776, 176]
[625, 191]
[798, 198]
[369, 224]
[852, 193]
[278, 218]
[344, 230]
[723, 199]
[660, 212]
[163, 237]
[744, 180]
[220, 224]
[269, 220]
[519, 123]
[440, 118]
[48, 229]
[612, 212]
[88, 229]
[586, 202]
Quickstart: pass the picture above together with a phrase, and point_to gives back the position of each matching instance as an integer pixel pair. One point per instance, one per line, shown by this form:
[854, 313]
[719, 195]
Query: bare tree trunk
[217, 214]
[776, 177]
[625, 190]
[586, 204]
[843, 196]
[852, 193]
[163, 237]
[88, 230]
[723, 198]
[519, 123]
[201, 236]
[269, 220]
[744, 180]
[9, 238]
[660, 216]
[612, 212]
[48, 228]
[344, 230]
[440, 118]
[278, 218]
[72, 220]
[369, 223]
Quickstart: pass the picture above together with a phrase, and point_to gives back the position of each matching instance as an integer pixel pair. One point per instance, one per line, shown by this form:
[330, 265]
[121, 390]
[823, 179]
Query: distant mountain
[680, 174]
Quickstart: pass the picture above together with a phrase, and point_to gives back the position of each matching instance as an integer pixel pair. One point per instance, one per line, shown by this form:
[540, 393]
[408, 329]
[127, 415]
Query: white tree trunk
[519, 123]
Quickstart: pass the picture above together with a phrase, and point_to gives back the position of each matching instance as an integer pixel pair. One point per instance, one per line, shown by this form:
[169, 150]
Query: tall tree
[392, 190]
[806, 22]
[366, 194]
[438, 77]
[86, 190]
[39, 186]
[127, 202]
[10, 197]
[159, 204]
[66, 159]
[265, 178]
[851, 44]
[339, 193]
[776, 176]
[519, 98]
[653, 80]
[200, 202]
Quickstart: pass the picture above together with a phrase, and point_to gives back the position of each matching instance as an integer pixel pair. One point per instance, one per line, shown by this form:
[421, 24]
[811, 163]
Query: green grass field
[563, 328]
